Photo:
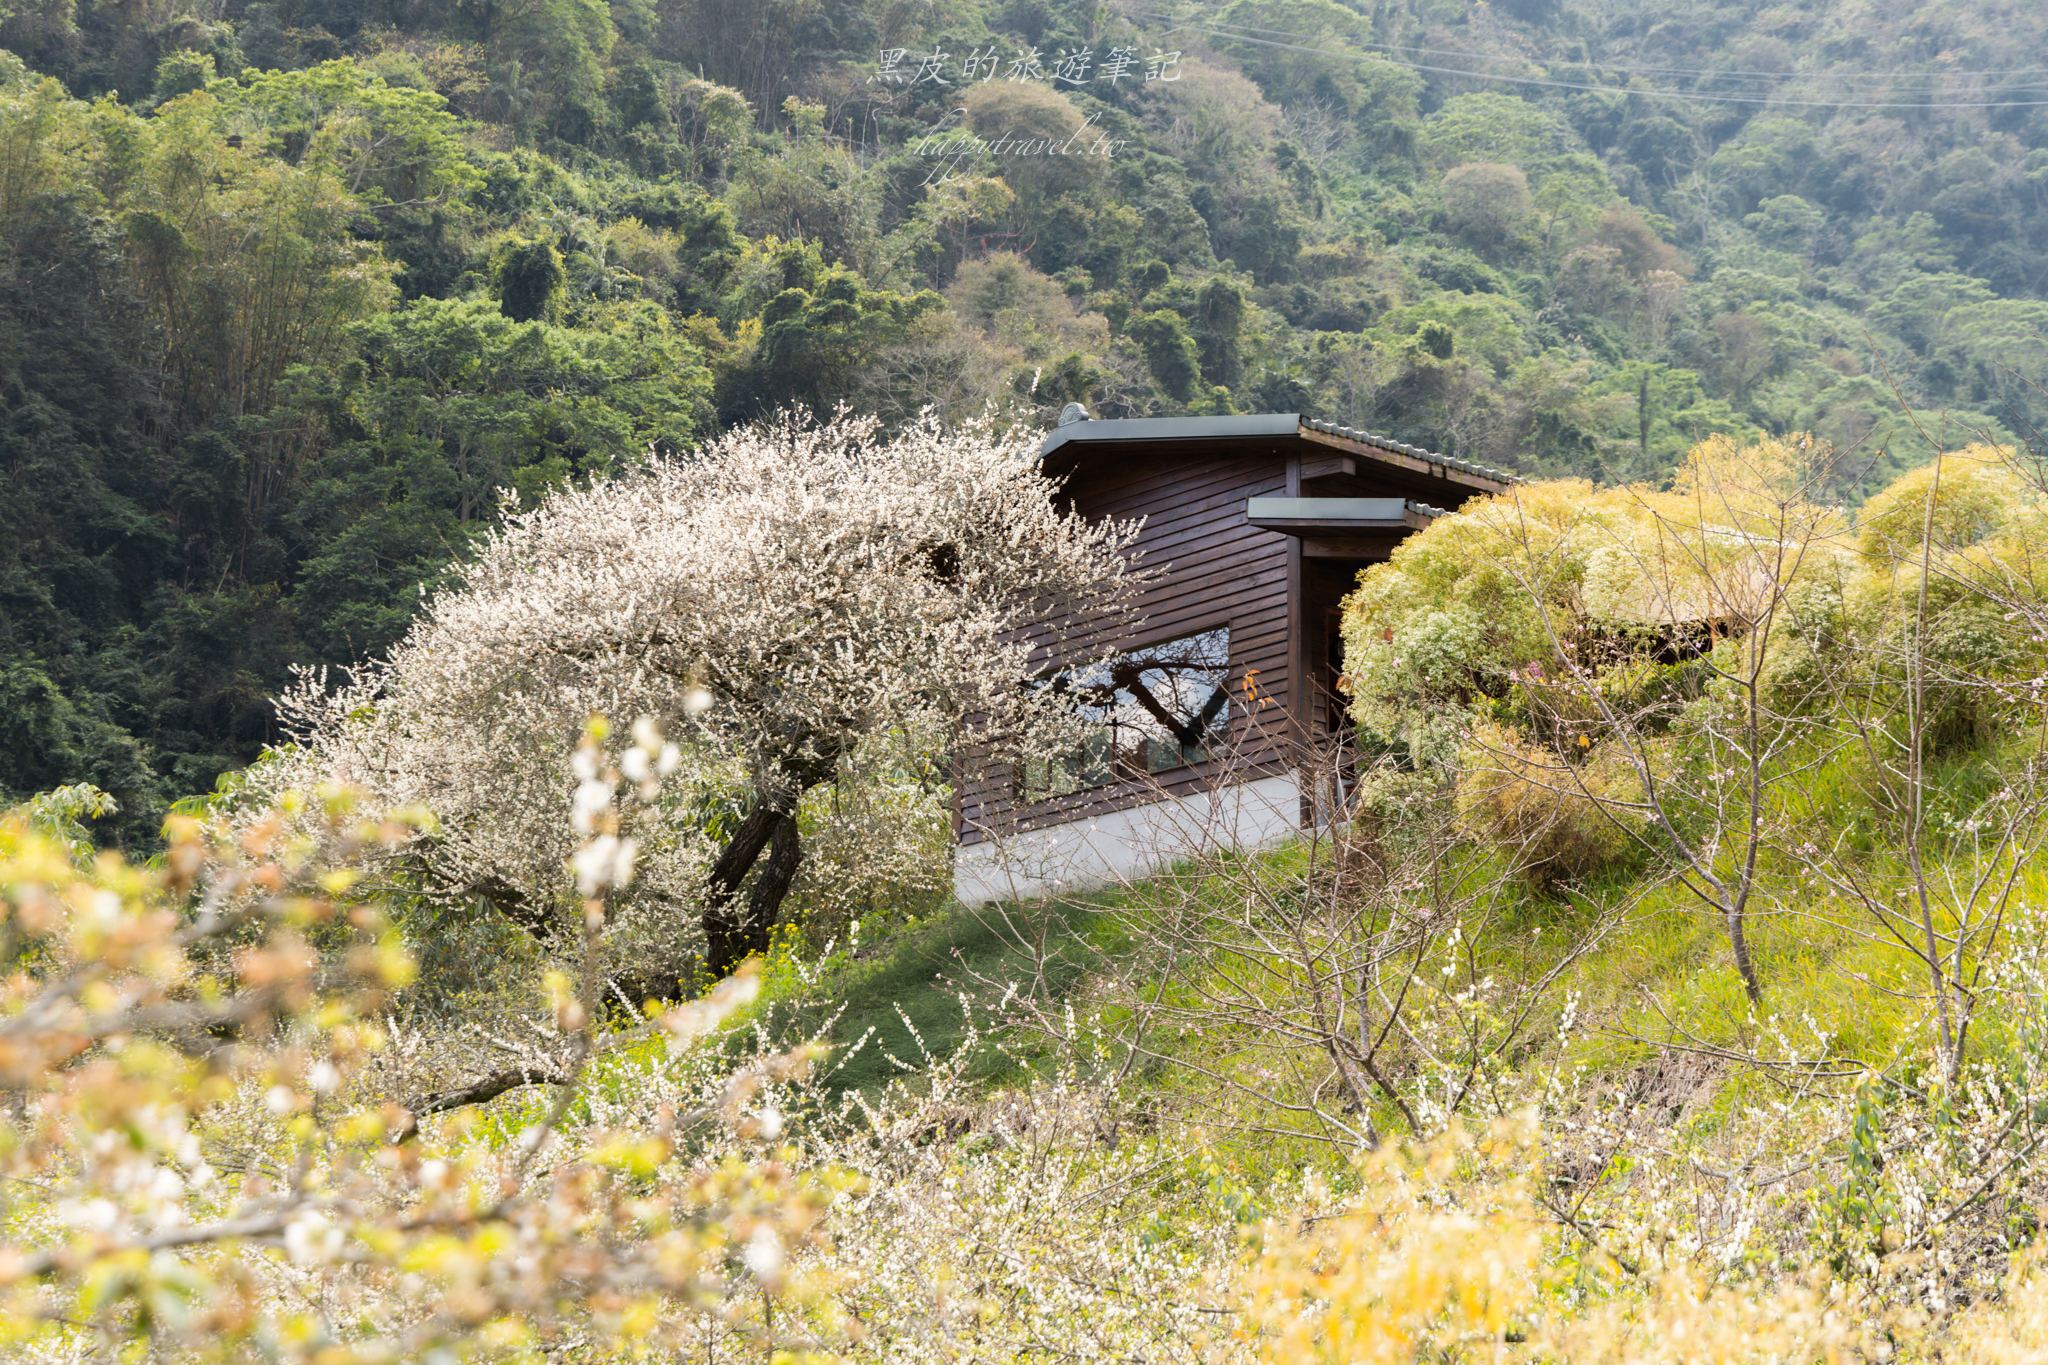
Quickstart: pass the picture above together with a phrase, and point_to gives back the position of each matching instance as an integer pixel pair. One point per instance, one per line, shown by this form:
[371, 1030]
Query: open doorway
[1325, 583]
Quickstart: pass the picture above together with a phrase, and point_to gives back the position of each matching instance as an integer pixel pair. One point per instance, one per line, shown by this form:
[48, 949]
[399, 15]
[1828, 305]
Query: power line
[1693, 96]
[1241, 32]
[1888, 77]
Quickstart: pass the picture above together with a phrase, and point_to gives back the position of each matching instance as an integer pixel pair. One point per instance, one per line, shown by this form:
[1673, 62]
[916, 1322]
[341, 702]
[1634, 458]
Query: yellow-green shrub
[1949, 587]
[1560, 582]
[1964, 498]
[1559, 820]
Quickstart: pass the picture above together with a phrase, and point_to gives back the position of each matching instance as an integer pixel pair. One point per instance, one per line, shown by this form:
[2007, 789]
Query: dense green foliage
[289, 290]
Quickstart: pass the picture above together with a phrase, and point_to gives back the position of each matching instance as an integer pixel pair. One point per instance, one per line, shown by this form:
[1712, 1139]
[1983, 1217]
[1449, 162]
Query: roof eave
[1266, 427]
[1445, 468]
[1263, 426]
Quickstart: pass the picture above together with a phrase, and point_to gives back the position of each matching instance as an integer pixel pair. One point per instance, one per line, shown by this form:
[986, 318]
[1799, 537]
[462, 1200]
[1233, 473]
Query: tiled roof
[1078, 430]
[1413, 452]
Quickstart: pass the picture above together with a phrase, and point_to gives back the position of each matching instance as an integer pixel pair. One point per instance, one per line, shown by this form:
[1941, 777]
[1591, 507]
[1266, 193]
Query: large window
[1151, 709]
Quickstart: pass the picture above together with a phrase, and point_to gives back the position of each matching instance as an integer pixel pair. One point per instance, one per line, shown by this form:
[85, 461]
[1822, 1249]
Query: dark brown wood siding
[1218, 571]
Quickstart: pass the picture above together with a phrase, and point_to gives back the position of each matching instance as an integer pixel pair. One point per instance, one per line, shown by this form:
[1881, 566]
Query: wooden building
[1256, 527]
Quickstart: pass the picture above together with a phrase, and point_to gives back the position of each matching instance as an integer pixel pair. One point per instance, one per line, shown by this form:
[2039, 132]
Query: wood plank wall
[1221, 571]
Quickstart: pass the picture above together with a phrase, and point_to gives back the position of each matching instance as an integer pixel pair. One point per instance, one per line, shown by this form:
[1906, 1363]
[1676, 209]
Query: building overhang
[1342, 528]
[1302, 516]
[1080, 441]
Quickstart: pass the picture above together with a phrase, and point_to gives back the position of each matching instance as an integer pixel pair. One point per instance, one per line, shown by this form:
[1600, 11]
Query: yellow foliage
[650, 254]
[1447, 1254]
[1558, 573]
[2014, 1329]
[1963, 498]
[1440, 1253]
[1559, 819]
[411, 1243]
[1952, 573]
[1756, 485]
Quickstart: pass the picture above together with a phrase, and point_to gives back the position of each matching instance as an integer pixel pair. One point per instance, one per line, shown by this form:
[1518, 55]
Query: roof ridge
[1412, 451]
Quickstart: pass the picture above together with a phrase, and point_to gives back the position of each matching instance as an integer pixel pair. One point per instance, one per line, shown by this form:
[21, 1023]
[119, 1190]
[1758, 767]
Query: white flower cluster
[778, 600]
[604, 863]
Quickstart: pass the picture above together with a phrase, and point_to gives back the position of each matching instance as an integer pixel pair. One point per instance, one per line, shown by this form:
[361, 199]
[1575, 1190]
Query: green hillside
[288, 291]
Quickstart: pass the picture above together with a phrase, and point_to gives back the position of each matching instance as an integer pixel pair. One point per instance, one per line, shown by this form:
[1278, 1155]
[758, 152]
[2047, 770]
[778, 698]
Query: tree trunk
[734, 930]
[1738, 940]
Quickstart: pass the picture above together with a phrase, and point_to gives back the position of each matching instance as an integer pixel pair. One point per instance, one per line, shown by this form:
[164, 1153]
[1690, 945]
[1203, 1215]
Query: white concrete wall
[1088, 855]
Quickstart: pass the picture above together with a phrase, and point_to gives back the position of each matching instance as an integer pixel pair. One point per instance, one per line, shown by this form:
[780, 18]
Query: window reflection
[1152, 709]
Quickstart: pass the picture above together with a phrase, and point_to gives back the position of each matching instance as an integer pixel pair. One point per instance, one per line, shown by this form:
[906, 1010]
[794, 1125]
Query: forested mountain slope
[289, 291]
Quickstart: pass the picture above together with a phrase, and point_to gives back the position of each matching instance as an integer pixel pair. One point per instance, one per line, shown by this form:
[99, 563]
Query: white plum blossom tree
[784, 600]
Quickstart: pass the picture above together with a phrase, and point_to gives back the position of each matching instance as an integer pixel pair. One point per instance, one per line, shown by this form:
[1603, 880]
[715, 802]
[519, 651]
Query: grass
[889, 1006]
[896, 1003]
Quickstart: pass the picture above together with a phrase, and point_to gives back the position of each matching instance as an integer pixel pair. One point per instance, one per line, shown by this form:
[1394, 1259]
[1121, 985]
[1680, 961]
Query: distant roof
[1276, 431]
